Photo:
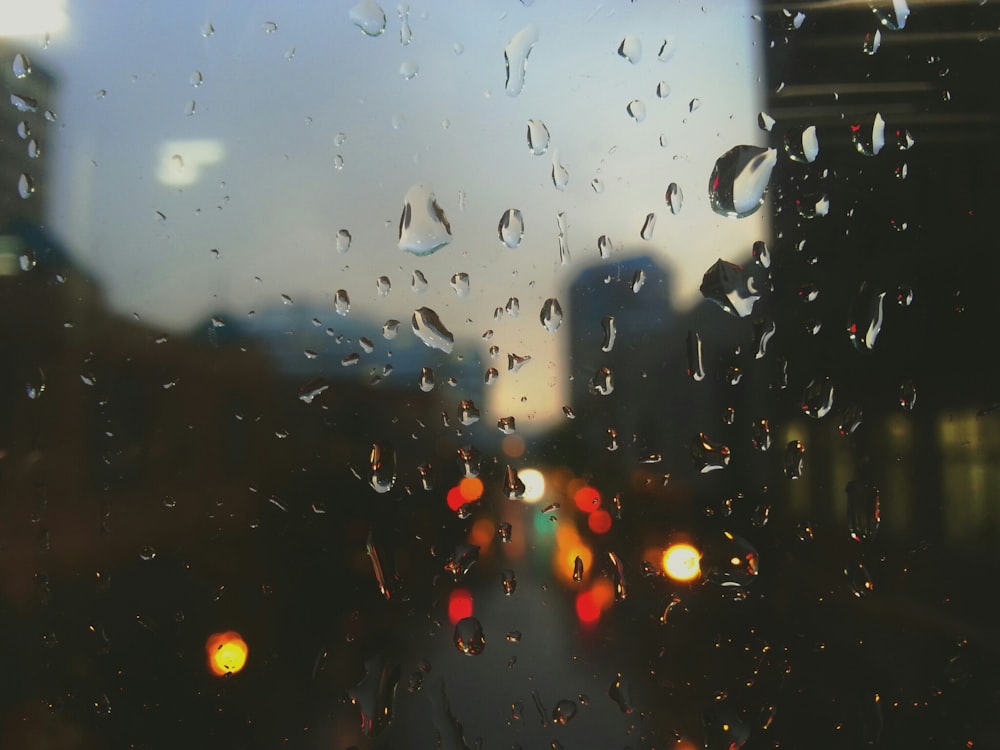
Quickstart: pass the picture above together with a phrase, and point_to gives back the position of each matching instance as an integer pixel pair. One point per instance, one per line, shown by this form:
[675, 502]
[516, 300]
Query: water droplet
[667, 49]
[538, 137]
[350, 360]
[382, 287]
[708, 455]
[602, 383]
[647, 227]
[763, 331]
[610, 332]
[509, 582]
[908, 395]
[516, 362]
[390, 329]
[862, 510]
[196, 79]
[869, 141]
[418, 282]
[36, 384]
[25, 185]
[560, 177]
[802, 144]
[866, 318]
[382, 461]
[207, 30]
[460, 283]
[859, 580]
[369, 17]
[730, 560]
[765, 121]
[597, 185]
[872, 42]
[694, 104]
[636, 110]
[696, 367]
[269, 27]
[724, 729]
[513, 486]
[568, 411]
[408, 69]
[818, 398]
[338, 162]
[423, 227]
[468, 413]
[507, 425]
[21, 66]
[604, 246]
[341, 302]
[664, 140]
[578, 569]
[27, 260]
[513, 307]
[147, 553]
[739, 180]
[563, 712]
[638, 279]
[892, 14]
[731, 287]
[515, 56]
[468, 636]
[343, 241]
[461, 560]
[621, 694]
[428, 327]
[375, 695]
[491, 376]
[663, 89]
[675, 198]
[426, 379]
[551, 315]
[630, 48]
[794, 459]
[504, 530]
[23, 103]
[511, 228]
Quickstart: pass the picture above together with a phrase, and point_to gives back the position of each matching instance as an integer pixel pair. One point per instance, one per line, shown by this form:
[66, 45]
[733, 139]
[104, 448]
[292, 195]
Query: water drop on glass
[390, 328]
[511, 228]
[694, 104]
[865, 322]
[802, 144]
[731, 287]
[638, 279]
[872, 42]
[696, 368]
[515, 56]
[408, 69]
[646, 232]
[538, 137]
[863, 516]
[426, 379]
[908, 395]
[765, 121]
[667, 49]
[817, 400]
[513, 486]
[341, 302]
[610, 332]
[460, 283]
[343, 241]
[560, 176]
[418, 282]
[740, 179]
[36, 384]
[794, 459]
[509, 582]
[675, 198]
[196, 79]
[604, 246]
[515, 362]
[869, 141]
[513, 307]
[428, 328]
[636, 110]
[564, 711]
[578, 569]
[25, 185]
[709, 455]
[630, 48]
[663, 89]
[423, 227]
[147, 553]
[551, 315]
[859, 580]
[602, 383]
[507, 425]
[369, 17]
[892, 14]
[21, 67]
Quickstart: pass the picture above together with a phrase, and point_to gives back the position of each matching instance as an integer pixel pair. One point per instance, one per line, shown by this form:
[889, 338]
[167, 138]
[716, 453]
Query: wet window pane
[498, 374]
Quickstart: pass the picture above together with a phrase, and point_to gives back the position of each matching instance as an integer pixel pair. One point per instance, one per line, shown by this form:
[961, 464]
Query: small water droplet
[147, 553]
[25, 185]
[610, 332]
[859, 580]
[694, 104]
[423, 227]
[504, 530]
[568, 411]
[647, 227]
[630, 48]
[563, 712]
[341, 302]
[817, 400]
[538, 137]
[382, 287]
[696, 367]
[491, 376]
[765, 121]
[602, 383]
[551, 315]
[515, 362]
[207, 30]
[382, 462]
[408, 69]
[269, 27]
[578, 569]
[709, 455]
[892, 14]
[515, 56]
[794, 459]
[418, 282]
[739, 180]
[636, 110]
[196, 79]
[667, 49]
[428, 328]
[468, 636]
[507, 425]
[343, 241]
[872, 42]
[662, 89]
[460, 283]
[802, 144]
[368, 16]
[513, 487]
[27, 260]
[908, 395]
[21, 67]
[675, 198]
[869, 141]
[863, 516]
[426, 379]
[733, 288]
[638, 279]
[390, 329]
[560, 176]
[511, 228]
[604, 246]
[36, 384]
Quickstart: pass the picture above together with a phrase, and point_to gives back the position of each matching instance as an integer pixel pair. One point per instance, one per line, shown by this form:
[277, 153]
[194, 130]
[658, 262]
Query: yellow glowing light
[227, 653]
[534, 484]
[682, 562]
[570, 546]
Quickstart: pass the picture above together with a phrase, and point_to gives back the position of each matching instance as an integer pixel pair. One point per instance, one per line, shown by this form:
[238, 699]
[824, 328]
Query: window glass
[498, 374]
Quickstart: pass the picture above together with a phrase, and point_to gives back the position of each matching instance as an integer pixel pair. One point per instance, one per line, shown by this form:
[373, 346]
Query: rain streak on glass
[538, 137]
[551, 315]
[368, 16]
[516, 58]
[423, 226]
[739, 180]
[511, 228]
[428, 328]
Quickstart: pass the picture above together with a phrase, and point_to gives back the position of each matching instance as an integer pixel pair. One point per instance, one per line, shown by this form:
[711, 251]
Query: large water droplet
[795, 453]
[368, 16]
[418, 282]
[675, 198]
[818, 398]
[382, 461]
[538, 137]
[602, 383]
[423, 227]
[709, 455]
[513, 487]
[863, 516]
[892, 14]
[739, 180]
[460, 283]
[563, 712]
[515, 55]
[551, 315]
[636, 110]
[802, 144]
[511, 228]
[630, 48]
[343, 241]
[341, 302]
[869, 141]
[21, 67]
[610, 332]
[25, 185]
[731, 287]
[428, 327]
[468, 413]
[646, 232]
[468, 636]
[866, 318]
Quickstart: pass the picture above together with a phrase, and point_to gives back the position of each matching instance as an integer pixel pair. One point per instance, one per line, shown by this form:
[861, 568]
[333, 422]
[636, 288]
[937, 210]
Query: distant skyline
[301, 126]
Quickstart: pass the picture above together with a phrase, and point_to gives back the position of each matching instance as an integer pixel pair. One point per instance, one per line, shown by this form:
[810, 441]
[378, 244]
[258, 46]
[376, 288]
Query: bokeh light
[682, 562]
[587, 499]
[455, 499]
[595, 600]
[227, 652]
[459, 605]
[569, 546]
[534, 484]
[599, 521]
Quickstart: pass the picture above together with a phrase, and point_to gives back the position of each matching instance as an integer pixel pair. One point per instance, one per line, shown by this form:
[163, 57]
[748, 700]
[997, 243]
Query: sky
[198, 174]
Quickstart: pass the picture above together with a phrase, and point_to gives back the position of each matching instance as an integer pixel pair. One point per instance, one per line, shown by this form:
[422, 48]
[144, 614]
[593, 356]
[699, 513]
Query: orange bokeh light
[471, 488]
[587, 499]
[682, 562]
[569, 546]
[513, 446]
[482, 532]
[459, 605]
[599, 521]
[227, 653]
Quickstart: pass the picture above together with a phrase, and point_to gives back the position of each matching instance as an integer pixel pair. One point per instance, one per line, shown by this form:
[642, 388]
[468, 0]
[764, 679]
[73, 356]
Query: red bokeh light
[587, 499]
[459, 605]
[455, 499]
[599, 522]
[588, 609]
